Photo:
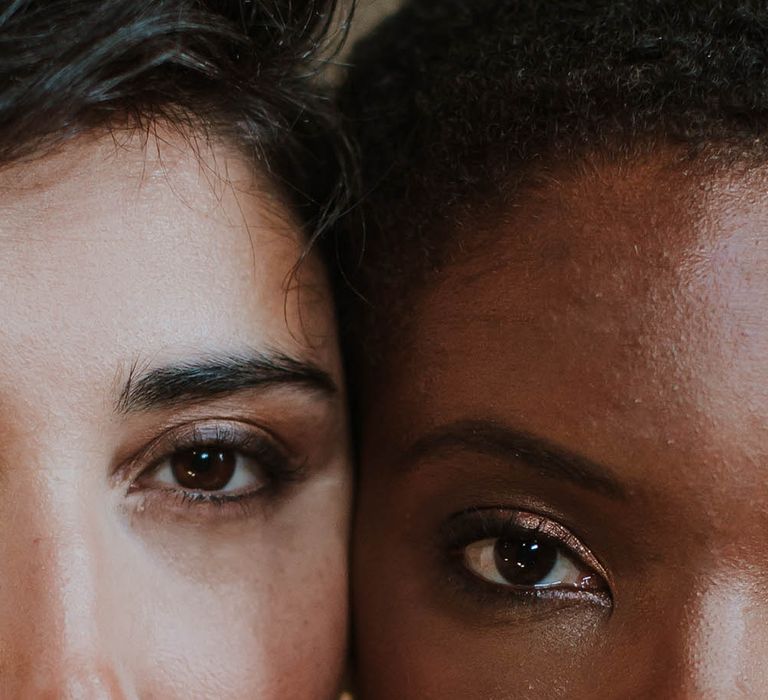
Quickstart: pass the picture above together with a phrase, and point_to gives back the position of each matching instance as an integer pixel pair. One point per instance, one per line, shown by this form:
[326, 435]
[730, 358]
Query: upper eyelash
[475, 523]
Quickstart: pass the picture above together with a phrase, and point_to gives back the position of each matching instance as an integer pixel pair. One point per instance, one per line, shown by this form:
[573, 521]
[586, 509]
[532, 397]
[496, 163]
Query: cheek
[413, 645]
[266, 640]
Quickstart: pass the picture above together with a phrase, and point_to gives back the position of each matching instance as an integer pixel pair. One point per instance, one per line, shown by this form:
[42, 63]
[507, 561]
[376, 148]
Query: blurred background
[368, 13]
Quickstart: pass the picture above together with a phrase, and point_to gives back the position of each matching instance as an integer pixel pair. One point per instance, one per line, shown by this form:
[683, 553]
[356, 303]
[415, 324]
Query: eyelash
[474, 525]
[247, 440]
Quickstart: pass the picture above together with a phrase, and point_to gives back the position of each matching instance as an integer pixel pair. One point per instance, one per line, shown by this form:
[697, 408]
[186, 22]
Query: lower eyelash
[490, 595]
[201, 507]
[190, 497]
[490, 592]
[197, 499]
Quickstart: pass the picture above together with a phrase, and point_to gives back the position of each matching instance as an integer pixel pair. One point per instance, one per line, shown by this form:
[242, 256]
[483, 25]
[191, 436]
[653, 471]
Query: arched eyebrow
[214, 376]
[504, 442]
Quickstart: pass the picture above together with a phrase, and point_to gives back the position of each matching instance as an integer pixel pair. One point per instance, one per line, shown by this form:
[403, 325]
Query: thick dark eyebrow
[218, 375]
[497, 440]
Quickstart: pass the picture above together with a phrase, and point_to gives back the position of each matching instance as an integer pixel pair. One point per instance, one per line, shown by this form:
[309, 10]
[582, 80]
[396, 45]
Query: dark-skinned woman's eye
[521, 553]
[526, 560]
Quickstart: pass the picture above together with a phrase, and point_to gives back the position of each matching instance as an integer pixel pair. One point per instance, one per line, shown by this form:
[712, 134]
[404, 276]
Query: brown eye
[204, 468]
[524, 561]
[209, 469]
[528, 561]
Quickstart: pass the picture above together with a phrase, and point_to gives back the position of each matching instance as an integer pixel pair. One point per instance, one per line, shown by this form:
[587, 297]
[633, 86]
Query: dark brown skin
[602, 364]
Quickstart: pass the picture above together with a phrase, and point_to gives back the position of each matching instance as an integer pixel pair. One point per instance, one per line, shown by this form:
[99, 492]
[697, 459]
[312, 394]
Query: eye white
[480, 559]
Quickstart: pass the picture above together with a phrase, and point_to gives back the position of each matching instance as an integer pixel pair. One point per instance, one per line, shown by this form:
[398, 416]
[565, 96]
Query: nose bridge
[53, 550]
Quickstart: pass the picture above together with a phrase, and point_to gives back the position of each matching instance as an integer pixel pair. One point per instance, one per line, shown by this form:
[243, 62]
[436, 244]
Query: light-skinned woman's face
[174, 476]
[565, 454]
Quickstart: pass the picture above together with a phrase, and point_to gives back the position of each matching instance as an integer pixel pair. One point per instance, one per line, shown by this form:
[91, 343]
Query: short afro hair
[456, 104]
[242, 70]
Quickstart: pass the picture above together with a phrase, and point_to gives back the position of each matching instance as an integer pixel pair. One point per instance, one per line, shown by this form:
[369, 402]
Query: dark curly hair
[457, 104]
[243, 70]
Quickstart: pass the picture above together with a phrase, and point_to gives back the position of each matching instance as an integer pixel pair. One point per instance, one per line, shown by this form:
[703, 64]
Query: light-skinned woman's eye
[210, 468]
[526, 560]
[213, 462]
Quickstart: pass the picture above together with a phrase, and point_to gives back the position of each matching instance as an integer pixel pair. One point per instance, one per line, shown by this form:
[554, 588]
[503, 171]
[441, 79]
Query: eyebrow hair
[497, 440]
[213, 376]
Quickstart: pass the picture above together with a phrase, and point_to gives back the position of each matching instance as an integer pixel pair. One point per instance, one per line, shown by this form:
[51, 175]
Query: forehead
[117, 250]
[620, 307]
[649, 247]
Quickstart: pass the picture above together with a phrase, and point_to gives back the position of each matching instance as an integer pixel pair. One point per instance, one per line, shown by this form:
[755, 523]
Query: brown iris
[204, 468]
[524, 561]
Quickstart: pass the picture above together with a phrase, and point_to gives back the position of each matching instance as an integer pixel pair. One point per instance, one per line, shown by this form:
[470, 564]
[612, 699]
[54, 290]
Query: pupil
[524, 561]
[204, 469]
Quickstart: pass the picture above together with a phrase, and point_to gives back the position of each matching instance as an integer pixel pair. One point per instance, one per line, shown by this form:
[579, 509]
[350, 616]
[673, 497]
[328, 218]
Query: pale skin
[122, 257]
[598, 361]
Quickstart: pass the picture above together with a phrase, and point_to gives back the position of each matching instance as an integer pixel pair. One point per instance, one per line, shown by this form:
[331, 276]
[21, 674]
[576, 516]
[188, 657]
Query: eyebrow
[497, 440]
[214, 376]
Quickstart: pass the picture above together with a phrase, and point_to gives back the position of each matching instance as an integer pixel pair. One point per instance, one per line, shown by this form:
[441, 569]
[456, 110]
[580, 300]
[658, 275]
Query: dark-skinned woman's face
[564, 488]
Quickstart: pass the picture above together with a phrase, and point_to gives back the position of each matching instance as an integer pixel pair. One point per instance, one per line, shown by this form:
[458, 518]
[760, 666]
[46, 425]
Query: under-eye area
[511, 557]
[230, 465]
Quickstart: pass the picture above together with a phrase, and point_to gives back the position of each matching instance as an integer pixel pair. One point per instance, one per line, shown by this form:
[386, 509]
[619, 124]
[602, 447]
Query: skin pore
[563, 471]
[175, 471]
